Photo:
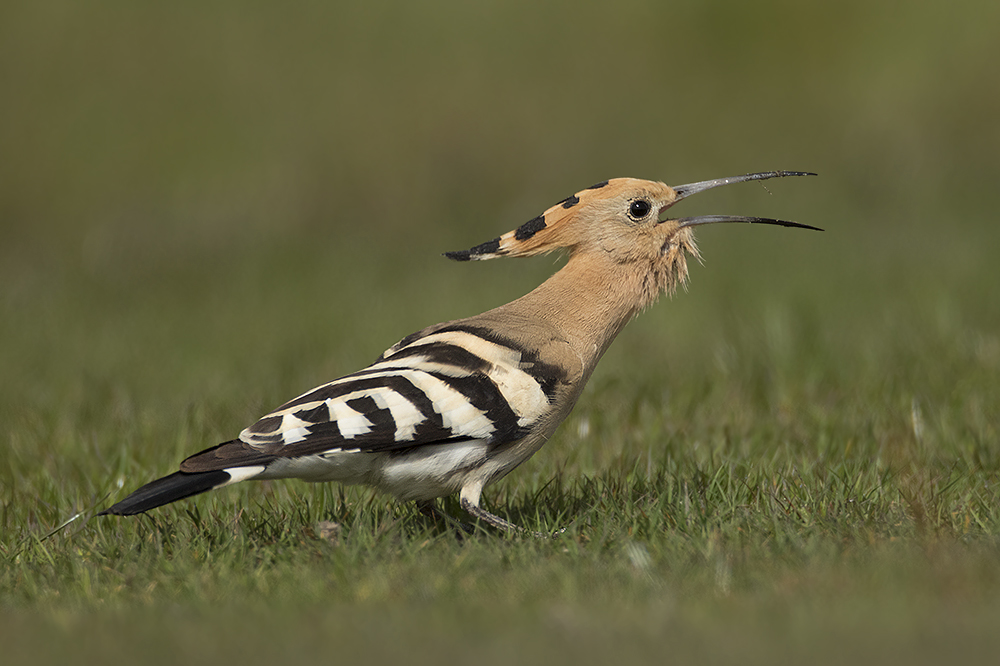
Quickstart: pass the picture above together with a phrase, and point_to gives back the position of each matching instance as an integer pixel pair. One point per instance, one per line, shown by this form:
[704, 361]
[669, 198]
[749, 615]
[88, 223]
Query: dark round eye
[639, 209]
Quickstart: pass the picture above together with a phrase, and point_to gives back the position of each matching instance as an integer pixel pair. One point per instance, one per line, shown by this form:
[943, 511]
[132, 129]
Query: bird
[456, 406]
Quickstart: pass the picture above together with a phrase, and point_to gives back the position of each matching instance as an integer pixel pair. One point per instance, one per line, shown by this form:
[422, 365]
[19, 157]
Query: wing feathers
[450, 384]
[227, 454]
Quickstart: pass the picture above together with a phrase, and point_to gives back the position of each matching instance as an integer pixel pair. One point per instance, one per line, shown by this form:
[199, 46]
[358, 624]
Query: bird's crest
[545, 233]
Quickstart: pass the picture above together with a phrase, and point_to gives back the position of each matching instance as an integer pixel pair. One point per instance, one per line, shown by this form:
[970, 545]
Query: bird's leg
[479, 512]
[429, 509]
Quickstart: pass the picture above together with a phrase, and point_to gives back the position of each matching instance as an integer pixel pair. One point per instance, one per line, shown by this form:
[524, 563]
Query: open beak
[684, 191]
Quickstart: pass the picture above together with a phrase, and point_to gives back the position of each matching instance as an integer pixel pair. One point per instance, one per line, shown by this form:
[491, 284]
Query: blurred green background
[299, 167]
[206, 208]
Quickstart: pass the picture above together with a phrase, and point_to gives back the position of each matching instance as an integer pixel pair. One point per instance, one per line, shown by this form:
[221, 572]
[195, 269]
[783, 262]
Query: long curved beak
[684, 191]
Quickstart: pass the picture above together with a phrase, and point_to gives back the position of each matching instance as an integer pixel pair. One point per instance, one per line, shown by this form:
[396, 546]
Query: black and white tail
[166, 490]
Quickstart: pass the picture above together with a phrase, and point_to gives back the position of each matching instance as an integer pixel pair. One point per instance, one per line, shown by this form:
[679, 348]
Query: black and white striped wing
[453, 384]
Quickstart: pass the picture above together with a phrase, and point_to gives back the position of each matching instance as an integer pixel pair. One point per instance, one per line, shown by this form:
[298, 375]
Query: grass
[208, 212]
[770, 487]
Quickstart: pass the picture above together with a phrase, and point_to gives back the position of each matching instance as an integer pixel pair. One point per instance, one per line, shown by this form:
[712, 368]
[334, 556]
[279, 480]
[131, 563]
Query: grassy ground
[208, 211]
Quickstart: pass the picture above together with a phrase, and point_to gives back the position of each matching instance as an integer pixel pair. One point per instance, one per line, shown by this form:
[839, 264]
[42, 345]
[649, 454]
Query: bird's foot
[482, 514]
[429, 509]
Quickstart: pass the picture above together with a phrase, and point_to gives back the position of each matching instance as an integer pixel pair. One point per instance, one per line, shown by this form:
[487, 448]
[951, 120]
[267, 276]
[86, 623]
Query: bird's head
[618, 216]
[622, 220]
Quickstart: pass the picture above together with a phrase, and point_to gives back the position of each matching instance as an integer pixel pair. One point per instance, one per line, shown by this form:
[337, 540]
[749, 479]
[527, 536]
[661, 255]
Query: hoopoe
[458, 405]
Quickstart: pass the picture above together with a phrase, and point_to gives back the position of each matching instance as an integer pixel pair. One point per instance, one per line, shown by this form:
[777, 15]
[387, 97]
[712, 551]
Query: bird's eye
[639, 209]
